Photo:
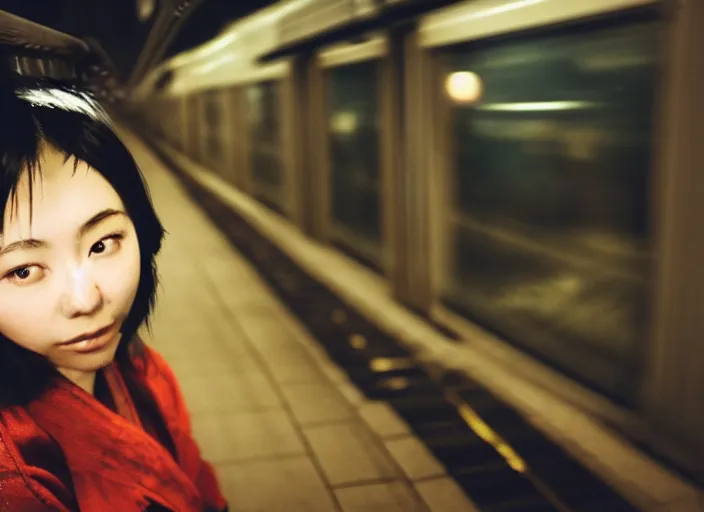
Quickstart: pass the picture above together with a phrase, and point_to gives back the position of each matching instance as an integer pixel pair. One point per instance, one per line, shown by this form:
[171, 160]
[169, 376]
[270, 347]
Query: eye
[25, 275]
[108, 244]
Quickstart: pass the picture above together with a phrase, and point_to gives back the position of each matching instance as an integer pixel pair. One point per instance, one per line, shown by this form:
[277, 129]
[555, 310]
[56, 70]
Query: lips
[89, 336]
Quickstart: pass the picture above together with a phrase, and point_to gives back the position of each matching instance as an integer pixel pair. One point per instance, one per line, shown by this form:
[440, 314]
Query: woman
[90, 417]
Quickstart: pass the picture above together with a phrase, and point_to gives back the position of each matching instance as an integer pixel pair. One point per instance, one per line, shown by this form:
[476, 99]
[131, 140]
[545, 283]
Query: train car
[520, 172]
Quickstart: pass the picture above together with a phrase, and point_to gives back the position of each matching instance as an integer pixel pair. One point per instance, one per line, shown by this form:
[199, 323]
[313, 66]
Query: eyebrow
[31, 243]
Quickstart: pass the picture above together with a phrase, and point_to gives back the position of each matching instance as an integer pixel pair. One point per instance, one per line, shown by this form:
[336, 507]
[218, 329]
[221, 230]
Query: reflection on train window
[266, 151]
[550, 236]
[213, 128]
[353, 128]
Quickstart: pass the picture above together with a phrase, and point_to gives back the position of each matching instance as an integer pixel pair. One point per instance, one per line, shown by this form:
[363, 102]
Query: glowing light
[537, 106]
[395, 383]
[487, 434]
[358, 342]
[344, 123]
[464, 87]
[387, 364]
[145, 9]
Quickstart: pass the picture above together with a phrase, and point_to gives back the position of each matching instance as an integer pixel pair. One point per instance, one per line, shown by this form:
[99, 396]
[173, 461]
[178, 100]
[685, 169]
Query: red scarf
[113, 464]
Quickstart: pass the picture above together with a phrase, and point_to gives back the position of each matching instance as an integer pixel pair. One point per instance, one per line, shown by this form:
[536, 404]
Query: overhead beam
[169, 19]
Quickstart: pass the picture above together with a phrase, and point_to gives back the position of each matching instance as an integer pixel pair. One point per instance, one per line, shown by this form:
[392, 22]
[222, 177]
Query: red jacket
[66, 451]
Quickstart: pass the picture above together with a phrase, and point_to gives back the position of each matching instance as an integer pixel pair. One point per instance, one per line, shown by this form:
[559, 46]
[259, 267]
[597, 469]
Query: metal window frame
[288, 116]
[317, 196]
[671, 396]
[415, 172]
[300, 117]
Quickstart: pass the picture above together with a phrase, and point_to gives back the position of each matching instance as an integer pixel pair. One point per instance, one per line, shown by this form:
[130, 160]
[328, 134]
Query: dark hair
[26, 127]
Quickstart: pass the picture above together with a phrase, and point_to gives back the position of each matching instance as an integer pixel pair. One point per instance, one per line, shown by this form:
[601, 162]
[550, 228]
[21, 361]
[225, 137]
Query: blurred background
[482, 216]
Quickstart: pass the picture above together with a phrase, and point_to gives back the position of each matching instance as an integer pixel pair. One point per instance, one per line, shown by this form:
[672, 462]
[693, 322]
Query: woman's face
[72, 271]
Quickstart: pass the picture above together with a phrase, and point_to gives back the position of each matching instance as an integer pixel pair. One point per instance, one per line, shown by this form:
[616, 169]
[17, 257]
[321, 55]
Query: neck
[84, 380]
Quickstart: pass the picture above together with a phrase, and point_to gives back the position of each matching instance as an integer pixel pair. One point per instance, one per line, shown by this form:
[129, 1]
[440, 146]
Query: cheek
[119, 279]
[26, 318]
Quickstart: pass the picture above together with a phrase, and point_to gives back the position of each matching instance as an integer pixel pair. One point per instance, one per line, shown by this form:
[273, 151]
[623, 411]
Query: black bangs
[43, 116]
[20, 142]
[23, 137]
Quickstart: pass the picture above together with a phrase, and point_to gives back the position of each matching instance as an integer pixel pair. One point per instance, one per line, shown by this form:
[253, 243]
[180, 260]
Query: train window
[267, 177]
[549, 233]
[353, 134]
[213, 127]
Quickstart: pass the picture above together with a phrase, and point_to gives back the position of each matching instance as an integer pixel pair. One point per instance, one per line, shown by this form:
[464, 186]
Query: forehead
[63, 195]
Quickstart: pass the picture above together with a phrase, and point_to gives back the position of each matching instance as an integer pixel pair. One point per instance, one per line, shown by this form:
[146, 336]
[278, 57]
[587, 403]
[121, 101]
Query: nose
[83, 296]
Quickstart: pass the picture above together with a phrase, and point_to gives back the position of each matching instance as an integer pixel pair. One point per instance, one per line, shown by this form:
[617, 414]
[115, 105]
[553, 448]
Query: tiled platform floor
[283, 426]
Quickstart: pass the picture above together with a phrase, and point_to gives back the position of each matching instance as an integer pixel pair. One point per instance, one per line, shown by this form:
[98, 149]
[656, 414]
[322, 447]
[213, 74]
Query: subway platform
[282, 424]
[301, 404]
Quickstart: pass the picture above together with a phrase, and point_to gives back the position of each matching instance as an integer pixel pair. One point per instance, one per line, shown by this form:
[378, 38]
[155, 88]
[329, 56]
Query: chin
[88, 362]
[92, 362]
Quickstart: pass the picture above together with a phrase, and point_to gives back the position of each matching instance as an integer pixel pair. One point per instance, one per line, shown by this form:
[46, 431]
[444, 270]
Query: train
[521, 172]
